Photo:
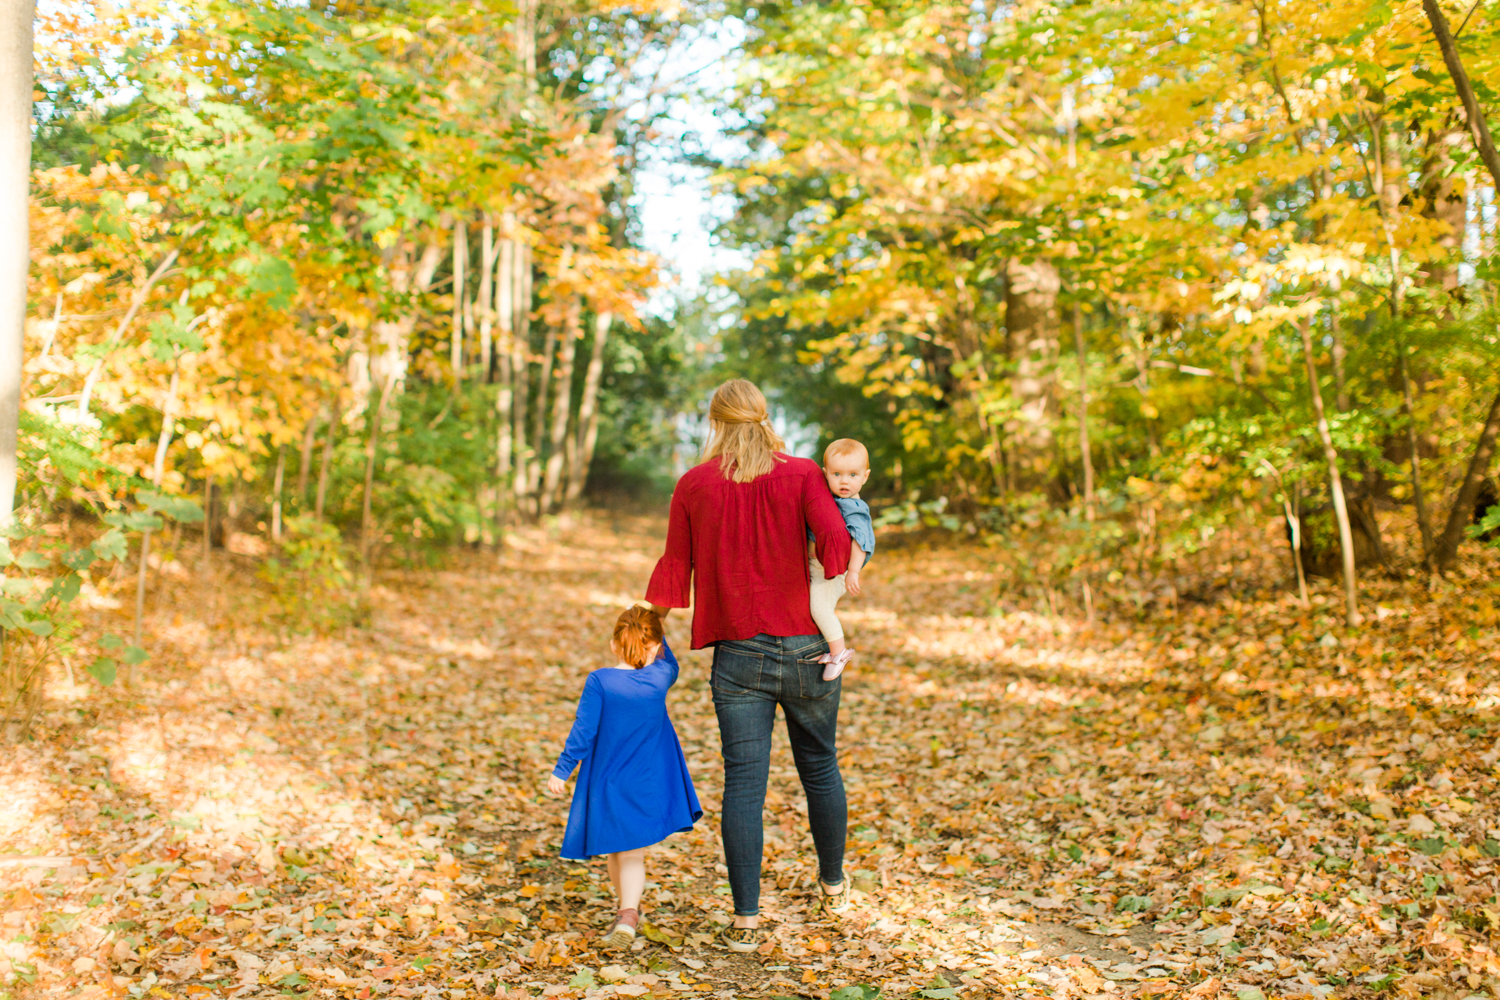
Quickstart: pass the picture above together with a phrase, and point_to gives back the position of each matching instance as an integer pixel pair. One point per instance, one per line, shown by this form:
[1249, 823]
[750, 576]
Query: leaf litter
[1237, 800]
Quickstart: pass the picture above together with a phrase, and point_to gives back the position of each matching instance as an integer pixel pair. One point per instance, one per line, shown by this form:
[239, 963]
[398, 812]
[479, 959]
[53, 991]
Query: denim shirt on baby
[857, 519]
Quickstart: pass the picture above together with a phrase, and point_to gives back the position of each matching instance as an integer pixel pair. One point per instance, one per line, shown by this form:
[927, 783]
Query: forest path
[1237, 799]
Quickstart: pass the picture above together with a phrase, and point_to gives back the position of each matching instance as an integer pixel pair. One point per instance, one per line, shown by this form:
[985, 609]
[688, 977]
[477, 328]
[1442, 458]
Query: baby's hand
[555, 786]
[851, 582]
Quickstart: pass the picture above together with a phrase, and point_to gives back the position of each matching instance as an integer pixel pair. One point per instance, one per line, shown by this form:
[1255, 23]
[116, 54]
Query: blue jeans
[750, 678]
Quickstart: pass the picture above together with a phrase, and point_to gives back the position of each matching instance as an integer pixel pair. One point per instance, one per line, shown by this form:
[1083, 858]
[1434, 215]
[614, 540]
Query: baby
[846, 464]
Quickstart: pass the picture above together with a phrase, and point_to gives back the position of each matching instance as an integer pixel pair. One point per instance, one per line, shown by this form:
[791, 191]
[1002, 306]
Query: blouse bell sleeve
[671, 581]
[585, 729]
[827, 524]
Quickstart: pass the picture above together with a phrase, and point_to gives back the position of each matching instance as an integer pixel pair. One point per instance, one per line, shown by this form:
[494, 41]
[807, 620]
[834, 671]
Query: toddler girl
[846, 466]
[633, 783]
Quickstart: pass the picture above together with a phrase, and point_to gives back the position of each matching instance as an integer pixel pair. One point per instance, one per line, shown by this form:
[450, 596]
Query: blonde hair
[740, 435]
[636, 631]
[846, 447]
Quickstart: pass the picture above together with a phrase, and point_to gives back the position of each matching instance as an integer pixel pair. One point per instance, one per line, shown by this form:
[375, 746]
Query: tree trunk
[504, 396]
[539, 416]
[136, 301]
[520, 371]
[304, 464]
[486, 298]
[588, 411]
[1294, 538]
[1335, 482]
[1478, 128]
[1031, 324]
[327, 463]
[1445, 553]
[1443, 199]
[526, 43]
[460, 262]
[15, 253]
[163, 442]
[372, 453]
[1083, 414]
[208, 524]
[562, 404]
[1424, 523]
[1336, 352]
[276, 494]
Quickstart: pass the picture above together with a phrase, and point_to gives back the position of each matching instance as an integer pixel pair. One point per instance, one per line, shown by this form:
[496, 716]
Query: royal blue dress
[633, 786]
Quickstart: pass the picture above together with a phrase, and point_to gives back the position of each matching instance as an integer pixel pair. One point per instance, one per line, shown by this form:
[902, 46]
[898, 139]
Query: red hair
[636, 631]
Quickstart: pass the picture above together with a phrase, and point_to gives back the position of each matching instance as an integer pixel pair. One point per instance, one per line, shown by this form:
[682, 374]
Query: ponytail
[637, 630]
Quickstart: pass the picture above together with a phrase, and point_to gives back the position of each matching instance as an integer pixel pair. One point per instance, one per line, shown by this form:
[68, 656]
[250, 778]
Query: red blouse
[744, 547]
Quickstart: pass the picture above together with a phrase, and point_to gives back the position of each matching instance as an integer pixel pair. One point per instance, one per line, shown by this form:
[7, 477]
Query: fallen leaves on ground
[1241, 800]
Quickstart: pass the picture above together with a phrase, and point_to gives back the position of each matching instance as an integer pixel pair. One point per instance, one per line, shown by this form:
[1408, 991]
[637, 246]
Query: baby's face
[846, 474]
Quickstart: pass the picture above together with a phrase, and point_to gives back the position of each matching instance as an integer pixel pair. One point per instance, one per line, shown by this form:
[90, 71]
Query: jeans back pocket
[810, 677]
[735, 669]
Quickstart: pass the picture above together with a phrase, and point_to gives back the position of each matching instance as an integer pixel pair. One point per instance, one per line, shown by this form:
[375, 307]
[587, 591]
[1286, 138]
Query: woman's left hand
[555, 786]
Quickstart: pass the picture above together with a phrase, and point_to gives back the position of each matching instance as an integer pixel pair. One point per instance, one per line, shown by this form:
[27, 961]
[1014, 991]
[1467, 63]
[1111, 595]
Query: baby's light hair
[636, 631]
[846, 447]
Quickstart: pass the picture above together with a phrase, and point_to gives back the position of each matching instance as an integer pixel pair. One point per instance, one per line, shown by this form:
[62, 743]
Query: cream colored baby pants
[824, 599]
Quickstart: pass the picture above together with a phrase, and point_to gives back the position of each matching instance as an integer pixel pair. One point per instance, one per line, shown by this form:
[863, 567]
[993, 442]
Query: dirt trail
[1241, 799]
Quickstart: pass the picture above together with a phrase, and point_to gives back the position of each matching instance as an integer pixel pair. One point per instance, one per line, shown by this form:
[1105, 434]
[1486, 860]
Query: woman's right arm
[671, 581]
[585, 729]
[830, 534]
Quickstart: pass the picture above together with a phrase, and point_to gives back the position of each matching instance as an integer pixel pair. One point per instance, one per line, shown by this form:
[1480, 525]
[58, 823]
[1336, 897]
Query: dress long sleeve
[671, 581]
[585, 729]
[830, 535]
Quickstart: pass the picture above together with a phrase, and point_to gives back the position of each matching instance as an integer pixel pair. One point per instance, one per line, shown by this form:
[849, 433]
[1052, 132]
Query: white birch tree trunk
[504, 396]
[588, 411]
[520, 371]
[460, 262]
[562, 404]
[15, 230]
[276, 493]
[1335, 481]
[486, 298]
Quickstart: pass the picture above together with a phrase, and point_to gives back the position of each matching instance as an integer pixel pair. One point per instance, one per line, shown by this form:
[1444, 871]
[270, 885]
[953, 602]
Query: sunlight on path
[1037, 807]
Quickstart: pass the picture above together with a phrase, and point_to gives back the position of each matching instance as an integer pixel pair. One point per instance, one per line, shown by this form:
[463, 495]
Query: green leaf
[134, 655]
[111, 641]
[134, 521]
[421, 963]
[859, 991]
[177, 508]
[102, 670]
[1133, 904]
[110, 545]
[584, 980]
[39, 626]
[1430, 846]
[33, 560]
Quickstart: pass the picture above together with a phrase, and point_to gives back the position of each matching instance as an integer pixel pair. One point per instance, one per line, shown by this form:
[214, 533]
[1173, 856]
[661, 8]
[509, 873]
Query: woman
[738, 535]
